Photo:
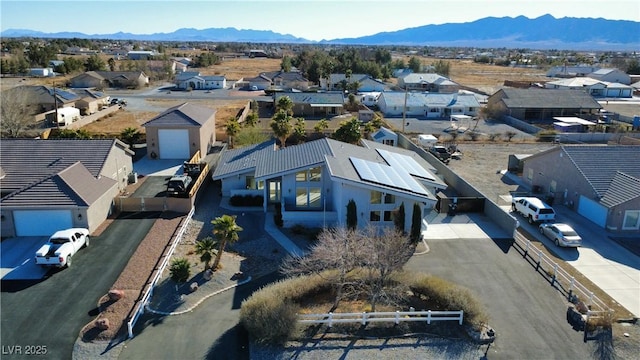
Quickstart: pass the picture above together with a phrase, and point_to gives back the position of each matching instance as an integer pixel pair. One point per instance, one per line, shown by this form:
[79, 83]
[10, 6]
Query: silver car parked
[561, 234]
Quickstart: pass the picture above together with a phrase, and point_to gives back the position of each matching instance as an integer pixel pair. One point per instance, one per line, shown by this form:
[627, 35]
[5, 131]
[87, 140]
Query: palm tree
[226, 230]
[281, 126]
[285, 103]
[233, 128]
[206, 248]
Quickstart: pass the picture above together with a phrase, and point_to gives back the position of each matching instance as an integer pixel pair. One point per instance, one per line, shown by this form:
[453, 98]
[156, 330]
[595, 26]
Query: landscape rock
[116, 295]
[102, 324]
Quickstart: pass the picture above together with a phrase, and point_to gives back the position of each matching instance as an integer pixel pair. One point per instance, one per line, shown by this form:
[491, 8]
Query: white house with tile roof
[50, 185]
[313, 182]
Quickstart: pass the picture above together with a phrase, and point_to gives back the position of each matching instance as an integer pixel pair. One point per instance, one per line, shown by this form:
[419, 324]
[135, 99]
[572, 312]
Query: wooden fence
[393, 316]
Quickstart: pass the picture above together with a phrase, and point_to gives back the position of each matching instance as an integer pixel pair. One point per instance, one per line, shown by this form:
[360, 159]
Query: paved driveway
[52, 312]
[528, 314]
[18, 261]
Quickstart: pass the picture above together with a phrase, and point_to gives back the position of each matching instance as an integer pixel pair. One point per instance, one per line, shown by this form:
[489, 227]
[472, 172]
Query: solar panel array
[400, 161]
[386, 175]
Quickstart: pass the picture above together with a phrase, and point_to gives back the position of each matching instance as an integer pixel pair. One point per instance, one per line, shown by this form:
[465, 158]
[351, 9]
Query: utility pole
[55, 105]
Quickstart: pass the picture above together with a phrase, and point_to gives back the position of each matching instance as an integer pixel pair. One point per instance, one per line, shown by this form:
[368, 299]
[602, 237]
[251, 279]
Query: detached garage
[180, 132]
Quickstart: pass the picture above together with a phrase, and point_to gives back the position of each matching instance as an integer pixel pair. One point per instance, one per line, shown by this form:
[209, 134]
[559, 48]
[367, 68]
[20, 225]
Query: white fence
[396, 317]
[149, 293]
[558, 276]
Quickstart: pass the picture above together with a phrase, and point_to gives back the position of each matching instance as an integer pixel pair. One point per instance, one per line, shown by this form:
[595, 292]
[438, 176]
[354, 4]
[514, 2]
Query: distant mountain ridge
[544, 32]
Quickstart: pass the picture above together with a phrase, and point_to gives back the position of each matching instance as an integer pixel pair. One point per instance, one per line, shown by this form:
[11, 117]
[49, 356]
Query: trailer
[427, 140]
[65, 116]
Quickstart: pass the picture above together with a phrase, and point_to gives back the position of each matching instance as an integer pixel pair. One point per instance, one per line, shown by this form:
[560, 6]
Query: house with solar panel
[313, 182]
[41, 101]
[600, 182]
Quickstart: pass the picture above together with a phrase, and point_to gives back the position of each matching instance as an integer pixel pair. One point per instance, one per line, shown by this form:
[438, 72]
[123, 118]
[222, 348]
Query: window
[374, 216]
[308, 197]
[389, 216]
[315, 174]
[388, 142]
[314, 197]
[631, 220]
[301, 176]
[301, 197]
[251, 183]
[376, 197]
[389, 199]
[434, 110]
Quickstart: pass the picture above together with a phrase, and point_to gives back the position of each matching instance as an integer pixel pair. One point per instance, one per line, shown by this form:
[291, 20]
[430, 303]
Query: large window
[375, 197]
[313, 174]
[631, 220]
[252, 184]
[308, 197]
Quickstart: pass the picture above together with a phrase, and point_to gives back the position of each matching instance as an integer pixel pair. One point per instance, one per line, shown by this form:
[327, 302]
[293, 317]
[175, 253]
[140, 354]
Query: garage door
[174, 144]
[41, 222]
[592, 211]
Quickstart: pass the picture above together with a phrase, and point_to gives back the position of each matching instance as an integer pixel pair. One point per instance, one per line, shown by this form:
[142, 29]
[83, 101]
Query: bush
[270, 315]
[547, 135]
[277, 217]
[180, 270]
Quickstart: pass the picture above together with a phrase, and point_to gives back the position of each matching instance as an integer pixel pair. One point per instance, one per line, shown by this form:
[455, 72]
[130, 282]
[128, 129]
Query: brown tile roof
[185, 114]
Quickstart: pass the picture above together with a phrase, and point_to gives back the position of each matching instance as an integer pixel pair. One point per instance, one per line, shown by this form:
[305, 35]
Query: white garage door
[174, 144]
[41, 222]
[593, 211]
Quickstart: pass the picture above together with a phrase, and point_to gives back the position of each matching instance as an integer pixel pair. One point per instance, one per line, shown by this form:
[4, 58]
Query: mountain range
[544, 32]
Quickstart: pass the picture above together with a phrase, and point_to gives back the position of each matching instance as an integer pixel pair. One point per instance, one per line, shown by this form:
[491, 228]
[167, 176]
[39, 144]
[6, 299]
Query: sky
[310, 19]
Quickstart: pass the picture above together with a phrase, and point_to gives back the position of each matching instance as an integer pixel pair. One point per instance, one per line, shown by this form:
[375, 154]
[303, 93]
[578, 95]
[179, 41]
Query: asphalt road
[210, 331]
[51, 313]
[527, 313]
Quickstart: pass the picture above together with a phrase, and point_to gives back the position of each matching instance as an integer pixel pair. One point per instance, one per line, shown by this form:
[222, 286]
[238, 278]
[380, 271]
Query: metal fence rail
[149, 292]
[396, 317]
[566, 283]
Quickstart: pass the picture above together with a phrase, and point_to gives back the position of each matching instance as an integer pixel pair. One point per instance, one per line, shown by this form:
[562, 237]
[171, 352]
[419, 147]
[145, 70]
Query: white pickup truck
[61, 247]
[533, 209]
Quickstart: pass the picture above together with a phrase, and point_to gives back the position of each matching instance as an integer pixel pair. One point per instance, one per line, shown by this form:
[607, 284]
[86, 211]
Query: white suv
[534, 209]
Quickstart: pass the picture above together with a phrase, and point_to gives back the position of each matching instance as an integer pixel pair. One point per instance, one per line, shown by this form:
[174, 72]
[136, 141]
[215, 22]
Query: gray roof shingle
[185, 114]
[622, 189]
[600, 164]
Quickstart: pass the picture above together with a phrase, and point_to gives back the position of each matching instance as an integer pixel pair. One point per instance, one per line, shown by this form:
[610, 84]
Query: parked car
[441, 152]
[561, 234]
[533, 209]
[179, 185]
[62, 245]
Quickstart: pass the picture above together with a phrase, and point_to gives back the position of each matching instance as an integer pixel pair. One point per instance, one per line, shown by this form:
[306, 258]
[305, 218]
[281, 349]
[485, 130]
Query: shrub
[473, 135]
[509, 135]
[270, 315]
[180, 270]
[277, 217]
[246, 200]
[546, 135]
[493, 136]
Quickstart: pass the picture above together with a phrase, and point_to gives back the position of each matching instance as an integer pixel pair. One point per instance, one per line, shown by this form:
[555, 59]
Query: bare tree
[357, 262]
[387, 252]
[337, 250]
[16, 112]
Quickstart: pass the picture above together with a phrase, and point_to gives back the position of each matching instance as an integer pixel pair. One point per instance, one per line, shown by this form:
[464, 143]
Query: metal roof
[548, 99]
[313, 98]
[185, 114]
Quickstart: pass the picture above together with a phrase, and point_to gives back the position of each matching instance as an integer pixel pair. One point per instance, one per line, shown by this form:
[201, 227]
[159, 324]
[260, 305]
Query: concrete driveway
[528, 315]
[613, 268]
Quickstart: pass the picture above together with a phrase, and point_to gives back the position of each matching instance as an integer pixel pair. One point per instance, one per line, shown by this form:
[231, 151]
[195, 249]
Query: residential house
[90, 101]
[429, 82]
[181, 131]
[313, 182]
[115, 79]
[566, 71]
[194, 81]
[385, 136]
[611, 75]
[260, 82]
[594, 87]
[41, 100]
[534, 105]
[141, 55]
[286, 80]
[427, 105]
[602, 183]
[49, 185]
[340, 82]
[314, 105]
[41, 72]
[255, 53]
